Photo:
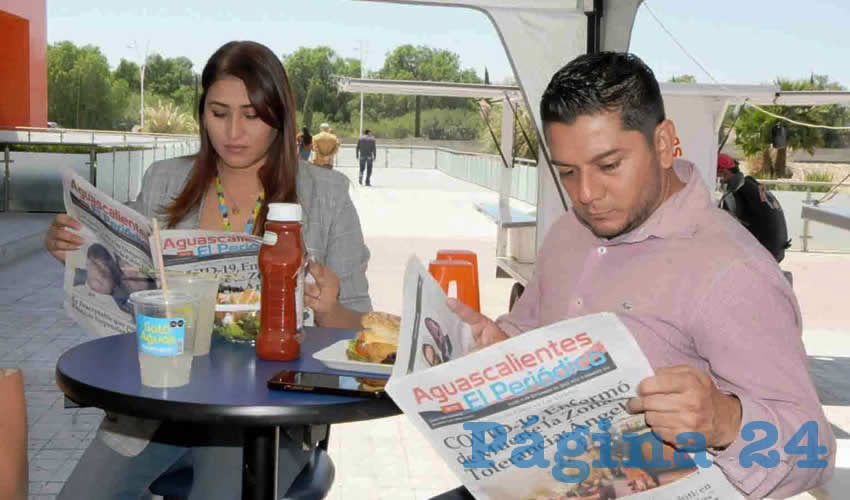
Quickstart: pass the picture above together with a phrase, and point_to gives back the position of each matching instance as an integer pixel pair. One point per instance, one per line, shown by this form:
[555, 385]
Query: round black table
[228, 386]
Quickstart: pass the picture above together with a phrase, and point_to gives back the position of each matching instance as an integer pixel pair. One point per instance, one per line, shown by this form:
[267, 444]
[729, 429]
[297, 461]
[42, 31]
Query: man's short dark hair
[368, 131]
[605, 81]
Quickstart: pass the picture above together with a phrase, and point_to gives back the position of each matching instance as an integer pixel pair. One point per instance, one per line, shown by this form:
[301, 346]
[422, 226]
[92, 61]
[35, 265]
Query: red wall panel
[23, 74]
[14, 83]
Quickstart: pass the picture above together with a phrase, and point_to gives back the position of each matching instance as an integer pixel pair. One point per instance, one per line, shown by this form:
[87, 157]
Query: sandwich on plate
[377, 342]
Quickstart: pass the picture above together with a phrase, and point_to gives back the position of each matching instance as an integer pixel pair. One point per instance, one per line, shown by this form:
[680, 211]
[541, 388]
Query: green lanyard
[219, 189]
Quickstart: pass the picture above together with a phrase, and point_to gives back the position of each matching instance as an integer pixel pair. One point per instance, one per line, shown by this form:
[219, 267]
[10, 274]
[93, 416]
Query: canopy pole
[594, 27]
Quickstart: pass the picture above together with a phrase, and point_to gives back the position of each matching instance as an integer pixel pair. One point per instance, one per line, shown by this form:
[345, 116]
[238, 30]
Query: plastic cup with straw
[165, 322]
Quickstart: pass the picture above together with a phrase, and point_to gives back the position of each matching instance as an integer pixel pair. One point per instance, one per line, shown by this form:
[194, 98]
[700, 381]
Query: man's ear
[664, 142]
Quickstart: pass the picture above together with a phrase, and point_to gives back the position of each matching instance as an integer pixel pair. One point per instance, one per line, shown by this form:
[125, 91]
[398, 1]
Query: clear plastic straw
[158, 256]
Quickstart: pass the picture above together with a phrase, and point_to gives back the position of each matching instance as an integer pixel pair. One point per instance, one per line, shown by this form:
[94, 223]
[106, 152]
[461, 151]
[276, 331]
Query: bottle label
[161, 336]
[309, 318]
[299, 298]
[270, 238]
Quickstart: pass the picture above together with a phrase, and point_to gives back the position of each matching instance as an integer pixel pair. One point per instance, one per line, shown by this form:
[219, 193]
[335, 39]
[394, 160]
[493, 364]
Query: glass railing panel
[121, 176]
[35, 180]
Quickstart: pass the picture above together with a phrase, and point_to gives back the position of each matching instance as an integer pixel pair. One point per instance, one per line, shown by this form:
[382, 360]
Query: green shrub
[809, 177]
[165, 117]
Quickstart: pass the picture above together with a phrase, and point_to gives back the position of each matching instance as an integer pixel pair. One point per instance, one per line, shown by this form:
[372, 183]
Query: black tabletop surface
[226, 386]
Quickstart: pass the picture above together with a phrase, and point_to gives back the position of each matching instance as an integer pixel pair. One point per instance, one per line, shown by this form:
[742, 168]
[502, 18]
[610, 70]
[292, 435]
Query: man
[366, 152]
[713, 314]
[753, 206]
[326, 146]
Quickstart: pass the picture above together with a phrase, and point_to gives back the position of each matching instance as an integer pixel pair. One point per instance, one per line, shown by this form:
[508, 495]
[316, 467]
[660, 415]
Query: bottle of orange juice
[281, 260]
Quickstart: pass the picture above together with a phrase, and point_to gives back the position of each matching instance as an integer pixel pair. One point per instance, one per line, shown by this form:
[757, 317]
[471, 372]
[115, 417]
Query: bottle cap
[284, 212]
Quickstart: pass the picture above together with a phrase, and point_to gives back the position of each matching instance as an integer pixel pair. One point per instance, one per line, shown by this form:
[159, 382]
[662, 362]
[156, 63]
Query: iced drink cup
[165, 329]
[206, 289]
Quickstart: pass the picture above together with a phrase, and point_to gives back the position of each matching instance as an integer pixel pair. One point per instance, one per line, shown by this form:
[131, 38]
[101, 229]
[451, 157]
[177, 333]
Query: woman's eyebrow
[218, 103]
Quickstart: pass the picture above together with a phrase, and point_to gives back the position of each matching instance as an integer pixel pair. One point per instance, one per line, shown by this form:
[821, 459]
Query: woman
[247, 159]
[305, 145]
[431, 355]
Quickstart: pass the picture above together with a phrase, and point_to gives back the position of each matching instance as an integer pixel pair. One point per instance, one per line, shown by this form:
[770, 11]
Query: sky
[737, 41]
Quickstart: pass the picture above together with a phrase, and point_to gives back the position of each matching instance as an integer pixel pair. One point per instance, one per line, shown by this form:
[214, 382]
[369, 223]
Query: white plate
[333, 356]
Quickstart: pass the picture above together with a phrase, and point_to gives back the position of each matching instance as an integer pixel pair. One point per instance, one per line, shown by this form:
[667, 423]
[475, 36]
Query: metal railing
[32, 181]
[78, 137]
[481, 169]
[113, 161]
[830, 238]
[805, 235]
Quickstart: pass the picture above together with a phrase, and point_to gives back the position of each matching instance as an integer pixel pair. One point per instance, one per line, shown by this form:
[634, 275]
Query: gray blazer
[330, 225]
[331, 232]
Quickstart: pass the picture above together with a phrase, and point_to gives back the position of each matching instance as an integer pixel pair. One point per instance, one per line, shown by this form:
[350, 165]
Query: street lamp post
[362, 58]
[142, 95]
[141, 83]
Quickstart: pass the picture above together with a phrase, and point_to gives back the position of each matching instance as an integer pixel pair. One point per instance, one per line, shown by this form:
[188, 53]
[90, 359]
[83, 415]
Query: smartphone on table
[325, 383]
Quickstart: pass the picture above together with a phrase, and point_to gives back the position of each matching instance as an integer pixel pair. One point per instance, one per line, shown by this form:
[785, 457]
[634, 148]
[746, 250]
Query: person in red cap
[754, 206]
[726, 167]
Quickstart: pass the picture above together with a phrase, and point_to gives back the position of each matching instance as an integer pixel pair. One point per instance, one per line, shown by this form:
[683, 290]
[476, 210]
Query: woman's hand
[323, 297]
[60, 239]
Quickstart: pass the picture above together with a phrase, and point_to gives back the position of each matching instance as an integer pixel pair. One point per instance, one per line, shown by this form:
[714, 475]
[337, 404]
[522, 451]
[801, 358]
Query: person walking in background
[366, 152]
[753, 206]
[305, 144]
[326, 145]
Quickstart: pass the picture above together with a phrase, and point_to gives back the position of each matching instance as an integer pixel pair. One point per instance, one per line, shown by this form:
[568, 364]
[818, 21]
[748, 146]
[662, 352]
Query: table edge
[110, 401]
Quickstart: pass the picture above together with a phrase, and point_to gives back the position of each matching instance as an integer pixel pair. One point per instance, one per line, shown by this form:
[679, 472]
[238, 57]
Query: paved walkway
[405, 212]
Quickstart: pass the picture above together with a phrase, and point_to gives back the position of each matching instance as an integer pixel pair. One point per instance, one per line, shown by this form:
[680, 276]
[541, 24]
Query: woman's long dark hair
[270, 94]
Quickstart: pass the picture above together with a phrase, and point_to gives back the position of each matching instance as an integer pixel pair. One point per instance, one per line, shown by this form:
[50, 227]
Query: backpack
[761, 213]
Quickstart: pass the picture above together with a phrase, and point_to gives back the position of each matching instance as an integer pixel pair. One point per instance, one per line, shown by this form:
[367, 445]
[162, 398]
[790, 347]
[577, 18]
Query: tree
[318, 67]
[753, 129]
[164, 76]
[683, 79]
[307, 112]
[80, 88]
[129, 72]
[407, 62]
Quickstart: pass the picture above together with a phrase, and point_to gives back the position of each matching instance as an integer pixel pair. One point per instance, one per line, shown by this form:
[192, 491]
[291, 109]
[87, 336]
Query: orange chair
[460, 272]
[13, 436]
[472, 258]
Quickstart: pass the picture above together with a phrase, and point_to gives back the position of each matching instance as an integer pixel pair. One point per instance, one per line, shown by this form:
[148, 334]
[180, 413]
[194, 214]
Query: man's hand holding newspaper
[484, 330]
[682, 399]
[675, 400]
[542, 415]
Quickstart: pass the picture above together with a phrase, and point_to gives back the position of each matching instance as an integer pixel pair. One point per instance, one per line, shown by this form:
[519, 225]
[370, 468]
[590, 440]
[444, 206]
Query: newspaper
[527, 417]
[116, 258]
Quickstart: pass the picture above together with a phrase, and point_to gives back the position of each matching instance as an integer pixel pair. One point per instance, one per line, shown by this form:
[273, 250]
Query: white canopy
[438, 89]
